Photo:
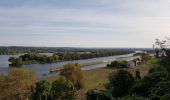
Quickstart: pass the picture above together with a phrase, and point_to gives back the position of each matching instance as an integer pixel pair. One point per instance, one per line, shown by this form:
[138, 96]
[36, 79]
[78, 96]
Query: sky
[84, 23]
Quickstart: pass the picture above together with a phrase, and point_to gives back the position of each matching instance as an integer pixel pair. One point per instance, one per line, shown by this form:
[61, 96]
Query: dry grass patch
[97, 78]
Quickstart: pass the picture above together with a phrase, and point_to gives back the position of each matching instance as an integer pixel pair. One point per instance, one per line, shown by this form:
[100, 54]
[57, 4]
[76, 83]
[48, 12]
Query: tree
[120, 84]
[148, 82]
[160, 90]
[62, 89]
[17, 84]
[74, 74]
[42, 90]
[15, 62]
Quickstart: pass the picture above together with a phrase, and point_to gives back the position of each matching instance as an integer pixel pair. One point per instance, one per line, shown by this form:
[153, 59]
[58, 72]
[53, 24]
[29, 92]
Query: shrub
[98, 95]
[120, 84]
[62, 89]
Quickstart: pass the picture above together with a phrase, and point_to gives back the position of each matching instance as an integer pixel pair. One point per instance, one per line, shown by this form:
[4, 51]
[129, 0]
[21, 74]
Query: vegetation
[15, 50]
[11, 52]
[42, 91]
[62, 89]
[99, 95]
[74, 74]
[17, 85]
[118, 64]
[154, 86]
[120, 84]
[34, 58]
[22, 84]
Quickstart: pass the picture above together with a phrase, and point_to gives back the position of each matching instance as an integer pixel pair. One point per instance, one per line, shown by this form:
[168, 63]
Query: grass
[97, 78]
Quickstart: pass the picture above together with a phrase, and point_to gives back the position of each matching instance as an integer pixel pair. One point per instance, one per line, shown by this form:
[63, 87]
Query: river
[43, 69]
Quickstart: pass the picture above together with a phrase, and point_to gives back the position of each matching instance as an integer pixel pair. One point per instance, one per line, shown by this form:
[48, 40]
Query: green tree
[42, 90]
[120, 84]
[62, 89]
[74, 74]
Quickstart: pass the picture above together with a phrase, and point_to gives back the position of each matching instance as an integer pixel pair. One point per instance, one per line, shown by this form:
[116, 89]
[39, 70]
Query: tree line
[34, 58]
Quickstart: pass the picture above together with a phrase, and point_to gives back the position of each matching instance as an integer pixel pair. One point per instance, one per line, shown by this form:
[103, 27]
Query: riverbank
[58, 69]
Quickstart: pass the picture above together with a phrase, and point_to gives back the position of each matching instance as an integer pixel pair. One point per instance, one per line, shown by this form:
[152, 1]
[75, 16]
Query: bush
[143, 87]
[98, 95]
[62, 89]
[118, 64]
[160, 90]
[120, 84]
[42, 90]
[134, 98]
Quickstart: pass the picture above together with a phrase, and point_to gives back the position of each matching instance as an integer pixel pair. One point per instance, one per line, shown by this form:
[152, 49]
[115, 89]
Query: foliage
[74, 74]
[152, 62]
[165, 97]
[62, 89]
[145, 57]
[34, 57]
[19, 49]
[17, 62]
[17, 84]
[134, 97]
[42, 90]
[118, 64]
[120, 84]
[147, 83]
[161, 89]
[98, 95]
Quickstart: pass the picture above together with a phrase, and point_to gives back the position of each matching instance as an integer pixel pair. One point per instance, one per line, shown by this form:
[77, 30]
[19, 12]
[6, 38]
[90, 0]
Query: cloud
[119, 22]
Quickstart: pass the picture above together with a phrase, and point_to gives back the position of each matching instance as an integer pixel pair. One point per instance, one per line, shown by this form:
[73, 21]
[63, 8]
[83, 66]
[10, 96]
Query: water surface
[43, 69]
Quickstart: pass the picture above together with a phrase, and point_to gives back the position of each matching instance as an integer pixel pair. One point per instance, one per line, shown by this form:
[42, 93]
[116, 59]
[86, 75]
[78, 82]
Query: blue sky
[83, 23]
